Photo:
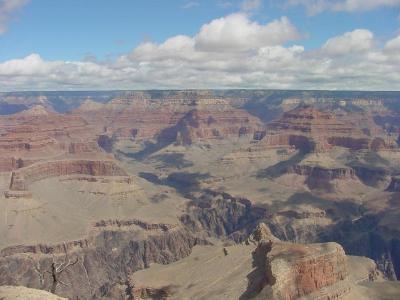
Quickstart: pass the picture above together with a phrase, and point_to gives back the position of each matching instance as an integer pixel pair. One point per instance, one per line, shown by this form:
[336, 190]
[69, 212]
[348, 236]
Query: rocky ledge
[21, 178]
[291, 271]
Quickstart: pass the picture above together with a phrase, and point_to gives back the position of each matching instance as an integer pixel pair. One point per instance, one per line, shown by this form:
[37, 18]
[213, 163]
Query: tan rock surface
[23, 293]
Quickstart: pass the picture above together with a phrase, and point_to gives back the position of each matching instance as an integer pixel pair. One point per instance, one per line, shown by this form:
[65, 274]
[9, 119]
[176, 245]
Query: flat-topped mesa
[322, 173]
[21, 178]
[307, 128]
[323, 178]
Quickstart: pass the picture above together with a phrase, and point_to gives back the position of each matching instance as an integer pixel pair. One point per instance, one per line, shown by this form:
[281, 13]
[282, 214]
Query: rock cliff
[307, 128]
[21, 178]
[104, 259]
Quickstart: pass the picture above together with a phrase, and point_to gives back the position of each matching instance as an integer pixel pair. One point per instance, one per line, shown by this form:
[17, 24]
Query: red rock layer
[297, 270]
[209, 125]
[37, 134]
[306, 127]
[21, 178]
[188, 119]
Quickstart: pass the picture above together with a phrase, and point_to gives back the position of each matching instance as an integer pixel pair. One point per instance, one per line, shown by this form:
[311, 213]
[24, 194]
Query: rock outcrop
[104, 260]
[300, 270]
[291, 271]
[23, 293]
[317, 177]
[21, 178]
[181, 117]
[211, 125]
[37, 134]
[307, 128]
[221, 214]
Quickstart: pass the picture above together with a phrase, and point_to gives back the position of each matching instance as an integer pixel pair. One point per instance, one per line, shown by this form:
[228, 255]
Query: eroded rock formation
[307, 128]
[291, 271]
[104, 259]
[23, 177]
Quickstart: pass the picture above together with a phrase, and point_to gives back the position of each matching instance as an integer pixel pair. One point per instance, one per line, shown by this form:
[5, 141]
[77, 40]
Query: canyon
[234, 194]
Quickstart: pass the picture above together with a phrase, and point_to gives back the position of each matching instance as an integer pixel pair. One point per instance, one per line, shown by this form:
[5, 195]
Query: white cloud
[237, 33]
[394, 44]
[317, 6]
[359, 40]
[7, 12]
[251, 5]
[253, 56]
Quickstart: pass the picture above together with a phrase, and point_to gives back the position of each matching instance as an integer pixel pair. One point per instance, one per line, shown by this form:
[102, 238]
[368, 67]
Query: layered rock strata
[21, 178]
[105, 259]
[307, 128]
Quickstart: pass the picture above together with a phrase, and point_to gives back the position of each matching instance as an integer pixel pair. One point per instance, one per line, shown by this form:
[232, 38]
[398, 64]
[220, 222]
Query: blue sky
[74, 29]
[105, 32]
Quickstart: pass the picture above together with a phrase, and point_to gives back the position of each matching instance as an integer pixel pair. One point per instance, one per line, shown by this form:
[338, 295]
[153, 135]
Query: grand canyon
[200, 194]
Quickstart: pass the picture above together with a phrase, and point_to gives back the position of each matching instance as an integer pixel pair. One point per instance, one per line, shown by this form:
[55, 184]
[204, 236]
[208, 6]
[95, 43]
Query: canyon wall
[21, 178]
[104, 260]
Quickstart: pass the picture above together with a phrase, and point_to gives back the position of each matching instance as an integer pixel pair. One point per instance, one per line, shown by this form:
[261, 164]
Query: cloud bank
[228, 52]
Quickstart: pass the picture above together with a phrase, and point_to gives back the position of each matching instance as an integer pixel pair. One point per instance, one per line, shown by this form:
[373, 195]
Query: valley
[201, 194]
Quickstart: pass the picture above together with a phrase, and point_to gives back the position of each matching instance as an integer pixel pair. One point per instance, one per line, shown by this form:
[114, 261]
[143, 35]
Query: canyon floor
[202, 195]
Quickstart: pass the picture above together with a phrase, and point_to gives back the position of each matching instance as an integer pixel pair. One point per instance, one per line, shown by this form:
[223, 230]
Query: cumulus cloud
[317, 6]
[8, 8]
[237, 33]
[252, 56]
[359, 40]
[393, 44]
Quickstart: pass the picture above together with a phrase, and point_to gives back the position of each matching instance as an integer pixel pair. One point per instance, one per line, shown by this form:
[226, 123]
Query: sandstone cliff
[23, 177]
[307, 128]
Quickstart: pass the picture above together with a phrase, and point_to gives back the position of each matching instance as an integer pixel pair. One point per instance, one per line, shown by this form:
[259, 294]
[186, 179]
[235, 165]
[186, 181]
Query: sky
[197, 44]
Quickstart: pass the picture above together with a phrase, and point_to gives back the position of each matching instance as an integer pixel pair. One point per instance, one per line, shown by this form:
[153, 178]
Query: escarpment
[309, 129]
[23, 177]
[181, 118]
[109, 257]
[322, 173]
[211, 125]
[317, 177]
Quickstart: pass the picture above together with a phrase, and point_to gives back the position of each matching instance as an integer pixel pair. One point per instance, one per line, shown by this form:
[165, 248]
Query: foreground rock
[272, 270]
[23, 293]
[99, 262]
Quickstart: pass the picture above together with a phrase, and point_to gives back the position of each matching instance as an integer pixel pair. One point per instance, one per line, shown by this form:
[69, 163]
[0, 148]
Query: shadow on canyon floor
[281, 168]
[184, 183]
[172, 160]
[258, 278]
